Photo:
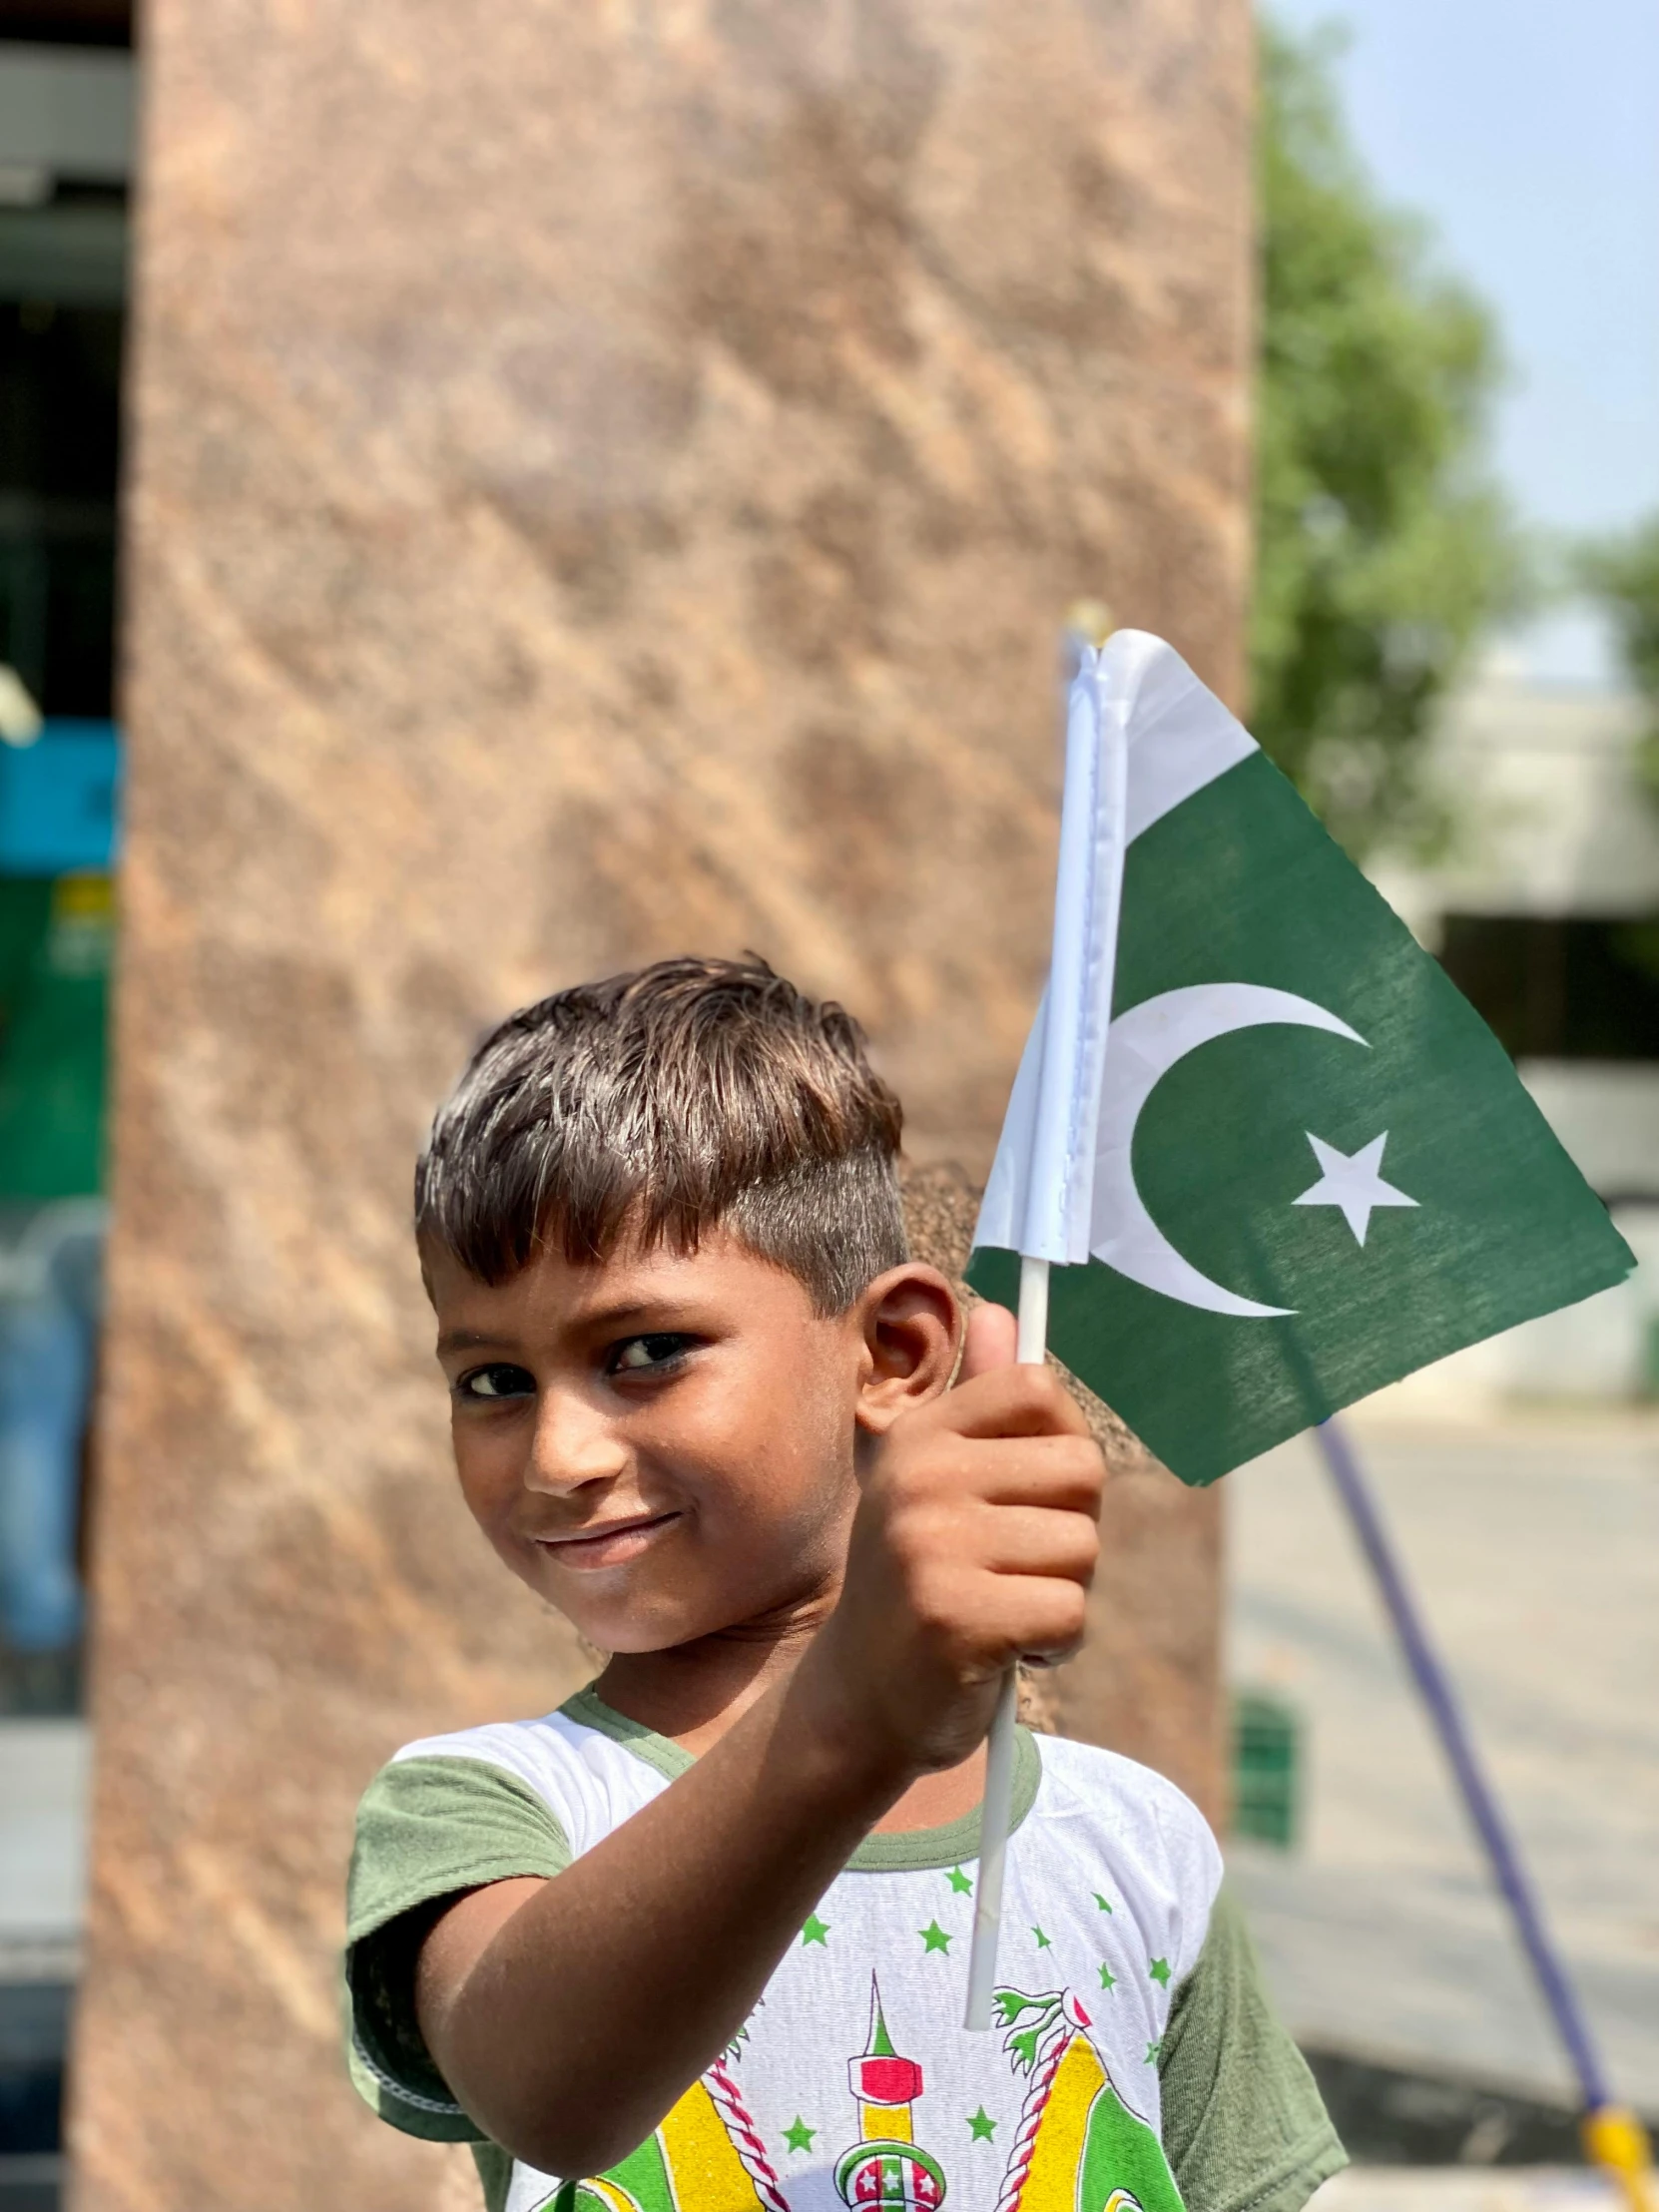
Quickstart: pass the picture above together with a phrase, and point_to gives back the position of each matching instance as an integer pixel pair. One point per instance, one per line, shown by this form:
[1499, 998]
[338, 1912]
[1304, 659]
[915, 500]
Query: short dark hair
[662, 1104]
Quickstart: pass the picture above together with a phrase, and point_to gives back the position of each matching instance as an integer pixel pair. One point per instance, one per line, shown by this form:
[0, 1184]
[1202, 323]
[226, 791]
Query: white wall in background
[67, 110]
[1552, 816]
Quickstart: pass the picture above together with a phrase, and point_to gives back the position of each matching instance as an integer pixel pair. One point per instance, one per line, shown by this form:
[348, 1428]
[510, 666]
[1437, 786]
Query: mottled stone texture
[607, 478]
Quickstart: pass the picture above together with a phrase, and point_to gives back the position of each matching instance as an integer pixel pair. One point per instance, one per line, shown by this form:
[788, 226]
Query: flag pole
[1055, 1201]
[997, 1815]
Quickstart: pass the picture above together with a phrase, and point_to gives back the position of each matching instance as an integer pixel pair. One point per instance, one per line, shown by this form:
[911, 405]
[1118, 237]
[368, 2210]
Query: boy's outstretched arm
[569, 2016]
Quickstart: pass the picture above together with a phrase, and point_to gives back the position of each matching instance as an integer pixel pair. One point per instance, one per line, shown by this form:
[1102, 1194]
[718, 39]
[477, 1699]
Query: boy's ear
[912, 1324]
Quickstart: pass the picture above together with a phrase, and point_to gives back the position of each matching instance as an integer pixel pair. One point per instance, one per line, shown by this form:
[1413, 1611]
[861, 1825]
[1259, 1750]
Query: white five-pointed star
[1352, 1183]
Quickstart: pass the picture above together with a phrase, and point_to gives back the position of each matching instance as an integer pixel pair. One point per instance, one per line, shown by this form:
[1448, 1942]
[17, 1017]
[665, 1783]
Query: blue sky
[1527, 130]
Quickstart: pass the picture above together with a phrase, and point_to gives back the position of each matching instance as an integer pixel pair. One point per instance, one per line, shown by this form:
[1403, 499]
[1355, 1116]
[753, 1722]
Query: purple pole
[1438, 1696]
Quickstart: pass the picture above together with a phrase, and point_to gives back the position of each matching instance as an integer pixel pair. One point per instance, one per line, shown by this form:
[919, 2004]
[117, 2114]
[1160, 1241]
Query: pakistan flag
[1294, 1163]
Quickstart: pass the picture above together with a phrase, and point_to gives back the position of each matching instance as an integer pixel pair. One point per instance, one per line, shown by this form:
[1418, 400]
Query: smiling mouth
[610, 1544]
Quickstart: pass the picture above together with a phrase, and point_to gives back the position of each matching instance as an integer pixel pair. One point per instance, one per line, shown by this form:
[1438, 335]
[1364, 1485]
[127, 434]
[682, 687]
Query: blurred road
[1466, 2189]
[1533, 1546]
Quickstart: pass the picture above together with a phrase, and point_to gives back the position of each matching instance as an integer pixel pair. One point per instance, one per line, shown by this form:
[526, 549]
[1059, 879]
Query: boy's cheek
[488, 1489]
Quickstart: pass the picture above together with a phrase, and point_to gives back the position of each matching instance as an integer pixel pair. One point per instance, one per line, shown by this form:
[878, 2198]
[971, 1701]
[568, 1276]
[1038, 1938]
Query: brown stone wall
[607, 477]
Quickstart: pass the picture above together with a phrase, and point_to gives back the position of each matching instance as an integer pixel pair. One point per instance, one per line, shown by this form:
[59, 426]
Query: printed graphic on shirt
[886, 2166]
[1079, 2145]
[707, 2156]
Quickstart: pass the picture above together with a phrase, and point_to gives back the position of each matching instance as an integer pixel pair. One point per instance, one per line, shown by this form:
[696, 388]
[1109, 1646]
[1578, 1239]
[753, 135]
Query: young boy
[700, 1935]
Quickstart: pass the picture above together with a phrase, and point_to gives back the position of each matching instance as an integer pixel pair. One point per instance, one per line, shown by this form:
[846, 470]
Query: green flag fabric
[1315, 1168]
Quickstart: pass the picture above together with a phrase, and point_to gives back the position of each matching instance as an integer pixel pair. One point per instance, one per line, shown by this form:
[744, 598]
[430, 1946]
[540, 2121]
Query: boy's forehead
[555, 1292]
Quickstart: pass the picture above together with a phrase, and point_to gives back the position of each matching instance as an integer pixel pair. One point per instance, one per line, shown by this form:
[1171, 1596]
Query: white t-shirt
[852, 2086]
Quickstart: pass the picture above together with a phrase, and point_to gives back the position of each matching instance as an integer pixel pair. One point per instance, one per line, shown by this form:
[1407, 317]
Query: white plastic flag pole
[999, 1755]
[1040, 1198]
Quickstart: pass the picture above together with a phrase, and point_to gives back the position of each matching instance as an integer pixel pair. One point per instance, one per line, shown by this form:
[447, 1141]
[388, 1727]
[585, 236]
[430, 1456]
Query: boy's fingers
[1041, 1617]
[992, 1339]
[1040, 1540]
[1063, 1471]
[1010, 1400]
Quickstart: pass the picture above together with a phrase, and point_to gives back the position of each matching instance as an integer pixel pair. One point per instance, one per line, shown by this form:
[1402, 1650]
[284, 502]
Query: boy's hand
[974, 1543]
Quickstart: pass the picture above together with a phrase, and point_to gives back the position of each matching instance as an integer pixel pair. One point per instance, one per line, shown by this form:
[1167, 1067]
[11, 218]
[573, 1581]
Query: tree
[1382, 547]
[1624, 574]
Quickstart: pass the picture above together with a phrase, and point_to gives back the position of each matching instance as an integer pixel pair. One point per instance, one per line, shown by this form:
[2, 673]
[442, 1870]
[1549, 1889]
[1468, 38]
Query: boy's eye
[497, 1383]
[643, 1354]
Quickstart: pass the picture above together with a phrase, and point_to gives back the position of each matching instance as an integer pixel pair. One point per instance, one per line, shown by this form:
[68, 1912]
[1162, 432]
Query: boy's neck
[693, 1693]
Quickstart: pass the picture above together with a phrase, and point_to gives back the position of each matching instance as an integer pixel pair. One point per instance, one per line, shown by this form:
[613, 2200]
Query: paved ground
[43, 1781]
[1466, 2189]
[1535, 1546]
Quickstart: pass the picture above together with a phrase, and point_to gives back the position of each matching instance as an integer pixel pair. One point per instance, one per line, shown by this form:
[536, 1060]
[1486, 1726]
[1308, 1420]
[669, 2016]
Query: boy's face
[660, 1444]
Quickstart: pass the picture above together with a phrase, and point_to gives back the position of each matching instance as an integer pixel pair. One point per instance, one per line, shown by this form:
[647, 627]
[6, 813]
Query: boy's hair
[659, 1104]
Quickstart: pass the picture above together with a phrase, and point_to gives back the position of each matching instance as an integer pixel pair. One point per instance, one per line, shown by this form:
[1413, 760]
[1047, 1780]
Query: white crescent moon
[1141, 1047]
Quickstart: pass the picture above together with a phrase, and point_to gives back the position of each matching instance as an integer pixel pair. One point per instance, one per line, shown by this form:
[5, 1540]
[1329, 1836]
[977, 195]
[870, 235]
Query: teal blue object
[58, 799]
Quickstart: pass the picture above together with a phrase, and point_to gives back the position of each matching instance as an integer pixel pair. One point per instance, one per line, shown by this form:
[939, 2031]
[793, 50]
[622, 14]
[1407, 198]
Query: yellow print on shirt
[707, 2156]
[1078, 2146]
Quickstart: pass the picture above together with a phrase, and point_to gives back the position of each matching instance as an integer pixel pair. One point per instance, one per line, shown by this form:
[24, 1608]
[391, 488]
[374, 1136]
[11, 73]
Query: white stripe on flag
[1141, 735]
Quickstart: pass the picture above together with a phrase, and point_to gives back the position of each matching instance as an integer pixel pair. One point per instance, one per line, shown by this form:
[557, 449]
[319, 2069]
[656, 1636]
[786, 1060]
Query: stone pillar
[605, 481]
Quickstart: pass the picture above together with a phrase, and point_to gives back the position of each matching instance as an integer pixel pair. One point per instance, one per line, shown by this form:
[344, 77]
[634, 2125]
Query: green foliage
[1624, 575]
[1382, 547]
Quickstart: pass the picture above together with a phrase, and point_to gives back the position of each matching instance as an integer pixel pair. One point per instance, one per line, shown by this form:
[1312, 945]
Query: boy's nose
[574, 1444]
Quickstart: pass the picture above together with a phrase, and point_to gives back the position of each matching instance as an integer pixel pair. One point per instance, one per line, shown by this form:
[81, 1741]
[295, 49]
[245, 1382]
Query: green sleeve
[1244, 2126]
[426, 1829]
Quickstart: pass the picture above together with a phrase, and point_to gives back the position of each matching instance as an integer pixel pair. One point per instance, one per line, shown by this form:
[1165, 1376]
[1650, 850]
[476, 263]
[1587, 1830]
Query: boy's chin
[665, 1612]
[650, 1622]
[634, 1639]
[632, 1631]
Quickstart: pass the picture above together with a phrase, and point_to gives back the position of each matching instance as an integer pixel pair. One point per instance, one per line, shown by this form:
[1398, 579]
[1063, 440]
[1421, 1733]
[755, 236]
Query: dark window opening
[1560, 988]
[68, 22]
[60, 387]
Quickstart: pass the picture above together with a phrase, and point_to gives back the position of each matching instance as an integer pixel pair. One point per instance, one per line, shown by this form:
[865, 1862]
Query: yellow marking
[886, 2123]
[87, 895]
[1616, 2141]
[702, 2163]
[1057, 2154]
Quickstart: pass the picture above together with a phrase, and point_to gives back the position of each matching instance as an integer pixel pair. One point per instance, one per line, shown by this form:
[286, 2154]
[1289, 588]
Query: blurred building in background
[66, 129]
[1546, 913]
[66, 139]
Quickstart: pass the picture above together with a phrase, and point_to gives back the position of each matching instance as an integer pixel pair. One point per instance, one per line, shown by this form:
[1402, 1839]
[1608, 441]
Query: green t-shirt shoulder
[427, 1829]
[1245, 2127]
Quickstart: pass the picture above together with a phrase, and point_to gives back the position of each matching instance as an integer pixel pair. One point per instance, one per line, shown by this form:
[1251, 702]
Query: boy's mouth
[606, 1543]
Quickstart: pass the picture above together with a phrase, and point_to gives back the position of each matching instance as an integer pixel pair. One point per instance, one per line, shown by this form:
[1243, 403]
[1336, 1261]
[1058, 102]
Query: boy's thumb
[991, 1341]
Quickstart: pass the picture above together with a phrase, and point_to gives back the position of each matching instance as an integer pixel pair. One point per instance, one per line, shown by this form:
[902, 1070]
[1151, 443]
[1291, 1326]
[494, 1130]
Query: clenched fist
[974, 1544]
